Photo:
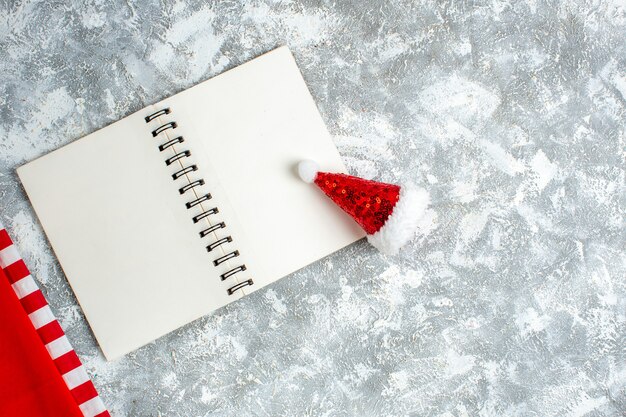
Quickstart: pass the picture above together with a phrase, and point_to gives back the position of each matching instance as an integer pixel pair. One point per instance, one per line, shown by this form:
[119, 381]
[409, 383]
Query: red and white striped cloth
[50, 332]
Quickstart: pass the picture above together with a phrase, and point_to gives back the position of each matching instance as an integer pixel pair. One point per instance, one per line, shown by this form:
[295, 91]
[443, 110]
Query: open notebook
[191, 203]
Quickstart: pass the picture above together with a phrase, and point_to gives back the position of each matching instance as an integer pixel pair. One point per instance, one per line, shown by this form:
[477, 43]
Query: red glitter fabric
[369, 202]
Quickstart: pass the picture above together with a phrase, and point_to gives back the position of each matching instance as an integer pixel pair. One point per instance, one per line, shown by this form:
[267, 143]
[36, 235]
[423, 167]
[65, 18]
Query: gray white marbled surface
[512, 113]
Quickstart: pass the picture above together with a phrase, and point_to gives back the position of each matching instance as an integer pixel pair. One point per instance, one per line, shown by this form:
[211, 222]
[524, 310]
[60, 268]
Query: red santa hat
[389, 214]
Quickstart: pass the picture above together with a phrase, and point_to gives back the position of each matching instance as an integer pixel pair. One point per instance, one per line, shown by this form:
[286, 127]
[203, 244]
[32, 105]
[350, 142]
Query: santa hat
[389, 214]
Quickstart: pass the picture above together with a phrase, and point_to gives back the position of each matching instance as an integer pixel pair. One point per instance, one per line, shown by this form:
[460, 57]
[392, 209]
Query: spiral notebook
[190, 203]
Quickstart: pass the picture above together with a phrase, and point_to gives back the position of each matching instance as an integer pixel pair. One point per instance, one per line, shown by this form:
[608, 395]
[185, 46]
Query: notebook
[190, 203]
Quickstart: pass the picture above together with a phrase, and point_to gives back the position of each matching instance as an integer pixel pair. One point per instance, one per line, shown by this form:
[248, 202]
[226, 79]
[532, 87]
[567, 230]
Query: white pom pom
[307, 170]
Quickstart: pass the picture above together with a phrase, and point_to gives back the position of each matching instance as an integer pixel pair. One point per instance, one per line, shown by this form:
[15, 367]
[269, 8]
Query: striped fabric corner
[52, 335]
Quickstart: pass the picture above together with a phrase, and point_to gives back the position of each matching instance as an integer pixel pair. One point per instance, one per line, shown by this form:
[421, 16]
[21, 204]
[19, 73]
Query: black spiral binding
[191, 185]
[212, 229]
[226, 257]
[239, 286]
[232, 272]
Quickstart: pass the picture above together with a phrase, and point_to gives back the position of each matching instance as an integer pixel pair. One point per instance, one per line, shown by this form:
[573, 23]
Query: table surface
[511, 302]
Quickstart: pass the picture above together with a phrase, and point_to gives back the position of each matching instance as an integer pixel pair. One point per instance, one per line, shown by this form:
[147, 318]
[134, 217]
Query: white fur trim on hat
[402, 224]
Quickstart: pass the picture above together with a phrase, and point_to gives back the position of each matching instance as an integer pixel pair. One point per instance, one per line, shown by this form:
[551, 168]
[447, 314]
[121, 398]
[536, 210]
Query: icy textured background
[512, 114]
